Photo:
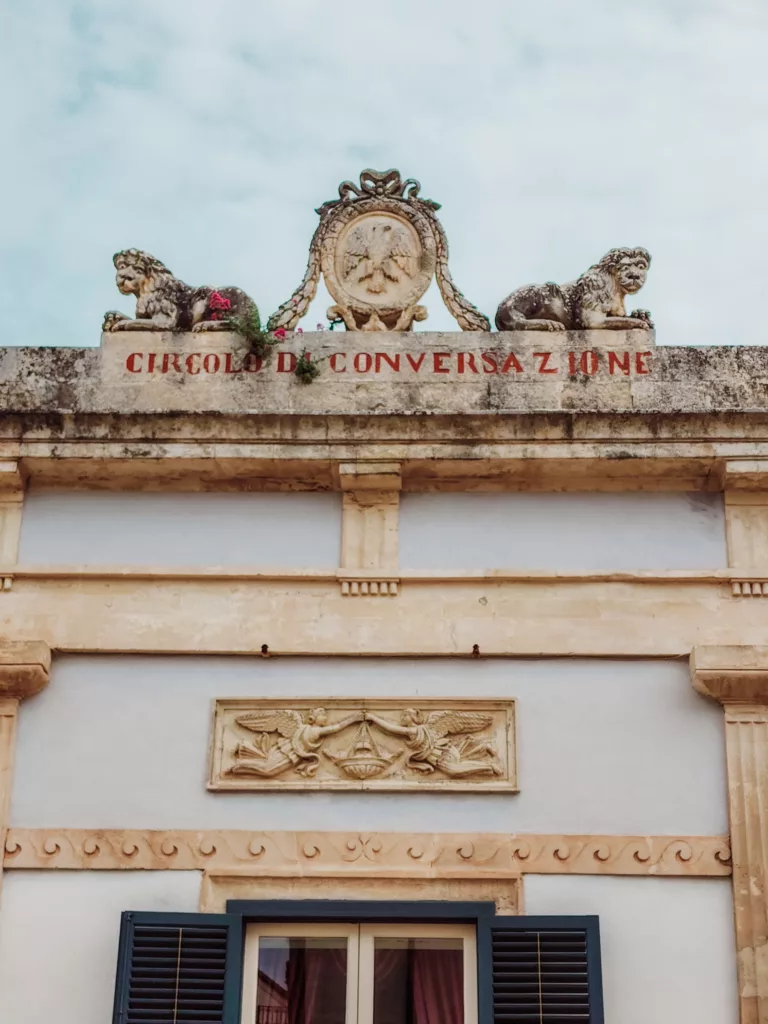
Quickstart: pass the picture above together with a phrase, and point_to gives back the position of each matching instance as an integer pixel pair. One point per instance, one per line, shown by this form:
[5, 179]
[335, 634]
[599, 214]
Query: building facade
[433, 689]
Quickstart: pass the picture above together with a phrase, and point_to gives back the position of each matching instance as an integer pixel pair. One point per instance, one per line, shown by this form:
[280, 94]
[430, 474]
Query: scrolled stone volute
[731, 675]
[24, 668]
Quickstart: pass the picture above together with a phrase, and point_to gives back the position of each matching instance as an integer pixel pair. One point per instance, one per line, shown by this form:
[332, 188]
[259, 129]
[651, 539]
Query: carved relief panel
[363, 744]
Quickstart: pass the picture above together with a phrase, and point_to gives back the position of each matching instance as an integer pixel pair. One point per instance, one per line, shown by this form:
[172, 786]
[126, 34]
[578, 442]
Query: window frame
[362, 911]
[424, 929]
[475, 914]
[239, 913]
[360, 953]
[254, 930]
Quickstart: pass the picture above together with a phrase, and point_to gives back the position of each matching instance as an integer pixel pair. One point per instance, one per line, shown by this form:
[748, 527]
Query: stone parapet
[380, 374]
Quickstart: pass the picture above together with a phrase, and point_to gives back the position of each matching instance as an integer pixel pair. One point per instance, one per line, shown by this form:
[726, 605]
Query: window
[360, 974]
[357, 962]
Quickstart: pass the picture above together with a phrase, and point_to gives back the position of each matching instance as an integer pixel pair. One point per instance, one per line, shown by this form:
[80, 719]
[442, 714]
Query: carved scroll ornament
[267, 744]
[342, 854]
[378, 246]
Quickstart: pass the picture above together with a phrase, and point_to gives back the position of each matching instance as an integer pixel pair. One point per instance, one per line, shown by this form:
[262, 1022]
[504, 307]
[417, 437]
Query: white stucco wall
[59, 933]
[130, 528]
[667, 944]
[437, 531]
[604, 746]
[668, 948]
[562, 531]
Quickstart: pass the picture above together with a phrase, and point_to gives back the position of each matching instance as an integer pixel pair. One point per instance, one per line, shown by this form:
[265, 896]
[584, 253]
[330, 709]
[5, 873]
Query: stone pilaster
[737, 677]
[369, 527]
[12, 489]
[745, 486]
[24, 671]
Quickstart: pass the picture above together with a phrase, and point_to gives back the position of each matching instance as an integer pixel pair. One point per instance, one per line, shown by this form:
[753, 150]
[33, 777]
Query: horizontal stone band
[325, 853]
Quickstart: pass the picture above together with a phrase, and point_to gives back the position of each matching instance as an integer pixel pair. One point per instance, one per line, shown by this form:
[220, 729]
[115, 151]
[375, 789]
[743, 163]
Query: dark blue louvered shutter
[540, 970]
[179, 969]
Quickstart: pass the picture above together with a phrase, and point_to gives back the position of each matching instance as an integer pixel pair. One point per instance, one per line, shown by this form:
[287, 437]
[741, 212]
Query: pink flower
[320, 327]
[299, 330]
[217, 301]
[279, 333]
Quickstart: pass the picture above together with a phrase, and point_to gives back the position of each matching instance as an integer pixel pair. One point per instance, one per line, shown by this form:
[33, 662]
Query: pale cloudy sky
[207, 131]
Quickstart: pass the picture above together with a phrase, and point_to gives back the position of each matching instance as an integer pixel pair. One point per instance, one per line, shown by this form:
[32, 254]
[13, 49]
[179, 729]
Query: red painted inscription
[465, 365]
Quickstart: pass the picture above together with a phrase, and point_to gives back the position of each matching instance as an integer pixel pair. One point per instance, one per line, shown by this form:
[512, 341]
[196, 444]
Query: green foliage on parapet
[248, 326]
[306, 370]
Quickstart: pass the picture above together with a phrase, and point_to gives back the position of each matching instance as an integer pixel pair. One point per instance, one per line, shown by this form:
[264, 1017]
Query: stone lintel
[24, 668]
[731, 675]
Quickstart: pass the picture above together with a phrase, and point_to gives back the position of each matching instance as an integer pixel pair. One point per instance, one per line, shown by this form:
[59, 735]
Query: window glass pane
[302, 981]
[418, 981]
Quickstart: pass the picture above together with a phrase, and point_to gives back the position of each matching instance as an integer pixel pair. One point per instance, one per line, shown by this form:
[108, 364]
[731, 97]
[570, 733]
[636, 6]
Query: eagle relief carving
[364, 744]
[378, 255]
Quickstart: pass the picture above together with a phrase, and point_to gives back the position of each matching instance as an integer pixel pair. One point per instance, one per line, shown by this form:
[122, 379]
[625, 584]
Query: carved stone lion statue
[164, 303]
[593, 301]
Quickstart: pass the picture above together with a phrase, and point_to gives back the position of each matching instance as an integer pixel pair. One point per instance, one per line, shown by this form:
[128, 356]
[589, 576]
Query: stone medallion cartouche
[378, 247]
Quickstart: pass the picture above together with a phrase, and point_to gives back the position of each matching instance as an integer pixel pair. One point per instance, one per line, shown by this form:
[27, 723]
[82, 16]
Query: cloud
[550, 132]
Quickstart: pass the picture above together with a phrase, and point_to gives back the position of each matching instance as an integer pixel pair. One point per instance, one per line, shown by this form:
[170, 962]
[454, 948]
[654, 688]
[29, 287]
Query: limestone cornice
[735, 676]
[24, 668]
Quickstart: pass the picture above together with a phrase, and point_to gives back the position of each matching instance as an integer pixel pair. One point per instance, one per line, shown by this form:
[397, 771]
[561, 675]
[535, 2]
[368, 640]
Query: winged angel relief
[297, 746]
[441, 741]
[427, 739]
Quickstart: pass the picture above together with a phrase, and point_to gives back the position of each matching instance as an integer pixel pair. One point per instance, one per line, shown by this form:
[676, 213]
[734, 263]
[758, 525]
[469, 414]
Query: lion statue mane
[591, 302]
[164, 303]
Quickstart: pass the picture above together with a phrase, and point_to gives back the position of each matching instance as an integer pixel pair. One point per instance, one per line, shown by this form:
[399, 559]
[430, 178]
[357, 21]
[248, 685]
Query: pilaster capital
[24, 668]
[745, 475]
[370, 476]
[731, 675]
[13, 480]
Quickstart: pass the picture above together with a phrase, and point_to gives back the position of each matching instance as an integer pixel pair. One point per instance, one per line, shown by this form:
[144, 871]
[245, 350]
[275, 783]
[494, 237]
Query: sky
[549, 130]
